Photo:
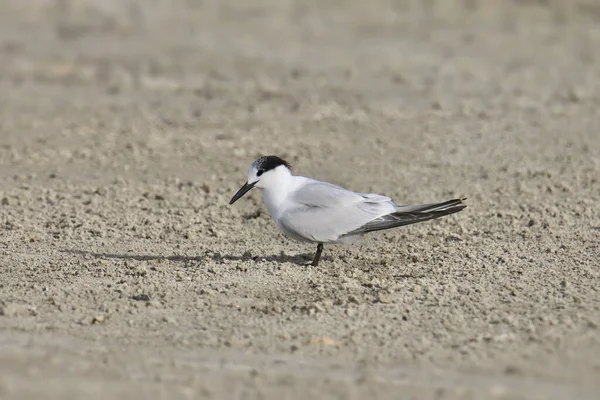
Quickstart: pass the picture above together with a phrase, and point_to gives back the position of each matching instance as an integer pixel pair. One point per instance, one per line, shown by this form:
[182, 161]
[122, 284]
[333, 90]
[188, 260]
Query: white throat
[276, 188]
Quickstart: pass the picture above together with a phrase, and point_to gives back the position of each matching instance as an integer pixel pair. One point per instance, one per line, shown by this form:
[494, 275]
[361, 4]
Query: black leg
[315, 260]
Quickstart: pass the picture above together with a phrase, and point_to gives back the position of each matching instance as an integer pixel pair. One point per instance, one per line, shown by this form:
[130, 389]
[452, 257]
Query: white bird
[320, 212]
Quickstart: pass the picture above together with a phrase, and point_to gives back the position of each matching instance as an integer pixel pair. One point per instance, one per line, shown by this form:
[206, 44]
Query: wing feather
[324, 212]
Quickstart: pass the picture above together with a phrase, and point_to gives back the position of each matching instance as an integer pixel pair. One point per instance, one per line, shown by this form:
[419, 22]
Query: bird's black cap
[262, 165]
[267, 163]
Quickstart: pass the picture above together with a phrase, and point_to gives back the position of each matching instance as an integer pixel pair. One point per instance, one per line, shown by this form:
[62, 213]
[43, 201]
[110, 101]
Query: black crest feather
[267, 163]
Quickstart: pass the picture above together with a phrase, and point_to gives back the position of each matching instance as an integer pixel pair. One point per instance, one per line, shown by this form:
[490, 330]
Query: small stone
[98, 319]
[353, 299]
[383, 299]
[317, 307]
[141, 297]
[564, 284]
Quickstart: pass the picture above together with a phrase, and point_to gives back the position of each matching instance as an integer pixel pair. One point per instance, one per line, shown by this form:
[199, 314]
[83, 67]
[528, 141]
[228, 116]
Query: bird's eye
[260, 172]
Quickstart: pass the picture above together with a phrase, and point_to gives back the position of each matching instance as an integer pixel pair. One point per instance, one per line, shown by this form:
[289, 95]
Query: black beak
[243, 190]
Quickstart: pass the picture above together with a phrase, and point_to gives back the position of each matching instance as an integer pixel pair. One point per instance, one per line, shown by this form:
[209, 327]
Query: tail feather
[432, 206]
[412, 214]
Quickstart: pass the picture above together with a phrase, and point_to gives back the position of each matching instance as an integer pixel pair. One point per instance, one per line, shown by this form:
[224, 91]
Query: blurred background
[160, 88]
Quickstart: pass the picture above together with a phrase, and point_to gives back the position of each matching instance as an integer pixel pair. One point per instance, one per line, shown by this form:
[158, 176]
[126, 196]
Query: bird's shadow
[300, 259]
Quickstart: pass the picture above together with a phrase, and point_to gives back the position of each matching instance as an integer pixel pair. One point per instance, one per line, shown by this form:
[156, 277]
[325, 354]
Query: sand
[126, 127]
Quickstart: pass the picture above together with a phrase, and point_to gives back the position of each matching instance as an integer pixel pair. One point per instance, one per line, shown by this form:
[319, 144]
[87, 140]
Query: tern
[318, 212]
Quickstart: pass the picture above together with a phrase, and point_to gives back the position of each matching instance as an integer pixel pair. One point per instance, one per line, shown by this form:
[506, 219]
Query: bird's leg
[315, 260]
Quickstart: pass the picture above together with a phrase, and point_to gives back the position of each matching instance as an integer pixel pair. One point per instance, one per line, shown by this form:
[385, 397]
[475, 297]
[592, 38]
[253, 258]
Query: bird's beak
[243, 190]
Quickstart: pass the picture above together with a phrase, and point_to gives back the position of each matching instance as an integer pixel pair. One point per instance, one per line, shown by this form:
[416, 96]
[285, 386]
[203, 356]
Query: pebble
[384, 299]
[564, 284]
[318, 307]
[353, 299]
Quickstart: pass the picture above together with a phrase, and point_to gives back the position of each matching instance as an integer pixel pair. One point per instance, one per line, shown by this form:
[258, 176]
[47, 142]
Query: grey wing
[325, 212]
[323, 194]
[411, 214]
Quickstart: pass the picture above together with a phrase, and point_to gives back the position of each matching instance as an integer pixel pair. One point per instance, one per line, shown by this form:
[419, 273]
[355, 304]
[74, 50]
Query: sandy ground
[126, 127]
